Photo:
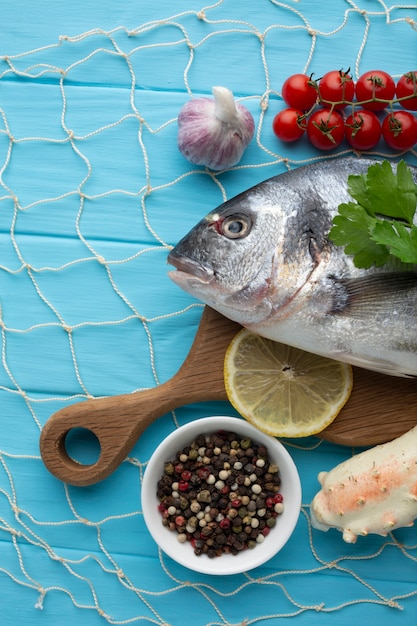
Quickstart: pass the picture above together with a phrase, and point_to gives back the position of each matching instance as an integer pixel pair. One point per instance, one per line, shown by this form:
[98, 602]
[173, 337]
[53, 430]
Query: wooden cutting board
[379, 409]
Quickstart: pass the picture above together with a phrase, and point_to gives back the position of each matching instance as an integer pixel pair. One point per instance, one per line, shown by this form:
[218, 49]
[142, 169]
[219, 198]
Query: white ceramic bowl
[227, 563]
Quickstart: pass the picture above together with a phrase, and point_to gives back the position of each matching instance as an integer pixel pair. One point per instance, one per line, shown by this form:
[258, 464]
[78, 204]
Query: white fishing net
[93, 194]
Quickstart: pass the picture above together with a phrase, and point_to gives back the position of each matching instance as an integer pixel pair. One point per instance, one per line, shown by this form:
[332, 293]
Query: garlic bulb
[214, 132]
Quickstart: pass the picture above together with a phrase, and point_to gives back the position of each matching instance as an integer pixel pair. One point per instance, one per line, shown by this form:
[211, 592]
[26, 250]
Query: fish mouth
[187, 268]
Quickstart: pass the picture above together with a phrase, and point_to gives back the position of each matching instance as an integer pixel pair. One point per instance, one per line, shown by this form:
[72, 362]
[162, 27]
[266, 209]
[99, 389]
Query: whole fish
[264, 260]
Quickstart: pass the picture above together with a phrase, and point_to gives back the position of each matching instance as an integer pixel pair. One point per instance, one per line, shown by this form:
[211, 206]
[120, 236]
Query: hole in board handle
[82, 446]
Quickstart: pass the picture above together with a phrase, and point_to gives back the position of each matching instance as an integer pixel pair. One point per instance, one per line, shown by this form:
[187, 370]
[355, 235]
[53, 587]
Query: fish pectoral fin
[374, 293]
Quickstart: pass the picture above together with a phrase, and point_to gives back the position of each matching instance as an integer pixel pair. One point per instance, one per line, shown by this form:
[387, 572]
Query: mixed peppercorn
[221, 493]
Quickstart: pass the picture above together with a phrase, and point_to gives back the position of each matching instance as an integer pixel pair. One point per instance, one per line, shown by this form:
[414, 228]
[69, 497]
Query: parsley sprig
[379, 224]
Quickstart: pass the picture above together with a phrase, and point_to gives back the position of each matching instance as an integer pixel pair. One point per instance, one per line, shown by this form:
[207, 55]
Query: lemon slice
[284, 391]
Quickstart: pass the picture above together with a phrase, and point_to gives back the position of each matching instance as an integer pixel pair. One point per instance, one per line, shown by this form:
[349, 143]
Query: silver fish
[264, 259]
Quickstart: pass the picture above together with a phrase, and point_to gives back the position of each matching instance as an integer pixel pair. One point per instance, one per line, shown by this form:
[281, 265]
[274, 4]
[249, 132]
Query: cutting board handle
[119, 421]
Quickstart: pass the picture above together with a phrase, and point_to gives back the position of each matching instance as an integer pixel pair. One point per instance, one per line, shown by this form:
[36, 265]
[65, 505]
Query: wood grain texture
[379, 409]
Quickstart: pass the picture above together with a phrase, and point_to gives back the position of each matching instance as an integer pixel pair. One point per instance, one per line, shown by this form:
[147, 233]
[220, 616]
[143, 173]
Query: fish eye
[236, 226]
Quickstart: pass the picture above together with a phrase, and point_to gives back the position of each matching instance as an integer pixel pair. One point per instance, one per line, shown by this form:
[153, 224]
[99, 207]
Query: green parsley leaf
[401, 241]
[379, 225]
[389, 194]
[352, 229]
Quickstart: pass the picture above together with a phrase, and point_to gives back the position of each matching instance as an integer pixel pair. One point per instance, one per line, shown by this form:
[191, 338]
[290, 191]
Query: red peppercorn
[265, 531]
[203, 473]
[183, 485]
[225, 490]
[270, 503]
[180, 520]
[186, 475]
[224, 523]
[179, 468]
[278, 498]
[161, 507]
[236, 504]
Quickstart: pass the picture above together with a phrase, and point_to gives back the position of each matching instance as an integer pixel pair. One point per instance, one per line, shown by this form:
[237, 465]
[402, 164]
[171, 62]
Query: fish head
[248, 257]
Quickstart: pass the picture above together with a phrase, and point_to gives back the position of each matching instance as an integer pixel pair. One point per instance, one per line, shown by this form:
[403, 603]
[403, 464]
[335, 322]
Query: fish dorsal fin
[376, 293]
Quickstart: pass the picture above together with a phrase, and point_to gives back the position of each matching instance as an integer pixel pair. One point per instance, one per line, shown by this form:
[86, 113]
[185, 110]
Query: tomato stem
[395, 125]
[356, 124]
[325, 129]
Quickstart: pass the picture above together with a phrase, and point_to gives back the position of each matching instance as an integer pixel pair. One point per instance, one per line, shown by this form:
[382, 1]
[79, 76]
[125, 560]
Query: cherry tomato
[336, 88]
[289, 125]
[299, 91]
[407, 86]
[375, 89]
[325, 129]
[399, 129]
[363, 130]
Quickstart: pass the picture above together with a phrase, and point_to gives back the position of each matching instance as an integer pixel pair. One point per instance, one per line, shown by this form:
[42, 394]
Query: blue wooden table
[93, 192]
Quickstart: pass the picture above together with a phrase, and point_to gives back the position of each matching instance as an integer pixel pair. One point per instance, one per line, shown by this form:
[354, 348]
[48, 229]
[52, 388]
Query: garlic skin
[214, 132]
